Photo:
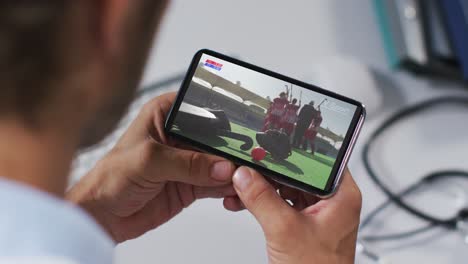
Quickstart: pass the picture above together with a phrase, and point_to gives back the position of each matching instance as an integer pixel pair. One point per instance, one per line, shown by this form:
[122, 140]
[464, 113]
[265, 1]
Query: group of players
[302, 127]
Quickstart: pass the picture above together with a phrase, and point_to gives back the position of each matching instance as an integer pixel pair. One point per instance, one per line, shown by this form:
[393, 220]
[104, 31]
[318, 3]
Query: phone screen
[263, 119]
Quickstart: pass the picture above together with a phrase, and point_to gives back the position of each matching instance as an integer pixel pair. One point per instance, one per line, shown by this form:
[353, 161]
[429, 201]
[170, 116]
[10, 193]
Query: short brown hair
[29, 33]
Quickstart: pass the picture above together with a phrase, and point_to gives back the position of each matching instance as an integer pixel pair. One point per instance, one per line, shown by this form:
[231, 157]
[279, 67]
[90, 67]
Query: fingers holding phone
[251, 116]
[323, 232]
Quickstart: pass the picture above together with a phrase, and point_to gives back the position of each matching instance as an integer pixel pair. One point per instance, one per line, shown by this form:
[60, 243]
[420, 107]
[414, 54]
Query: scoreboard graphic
[214, 65]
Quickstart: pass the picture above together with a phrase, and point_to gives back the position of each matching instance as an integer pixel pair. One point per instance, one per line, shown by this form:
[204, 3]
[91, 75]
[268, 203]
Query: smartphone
[298, 134]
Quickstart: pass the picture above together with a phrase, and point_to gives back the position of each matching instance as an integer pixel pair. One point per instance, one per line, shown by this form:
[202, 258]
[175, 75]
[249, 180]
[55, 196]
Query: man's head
[294, 101]
[282, 95]
[73, 64]
[311, 103]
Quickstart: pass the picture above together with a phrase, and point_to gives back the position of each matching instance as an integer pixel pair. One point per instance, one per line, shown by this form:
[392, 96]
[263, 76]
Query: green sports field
[302, 166]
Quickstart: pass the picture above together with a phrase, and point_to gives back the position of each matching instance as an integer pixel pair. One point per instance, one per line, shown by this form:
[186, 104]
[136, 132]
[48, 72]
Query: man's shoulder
[46, 222]
[36, 260]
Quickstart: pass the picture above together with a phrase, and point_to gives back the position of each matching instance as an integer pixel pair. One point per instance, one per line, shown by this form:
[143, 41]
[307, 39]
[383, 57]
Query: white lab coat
[36, 227]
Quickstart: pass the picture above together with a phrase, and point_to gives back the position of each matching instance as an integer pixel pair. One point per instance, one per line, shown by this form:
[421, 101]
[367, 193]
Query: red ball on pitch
[258, 153]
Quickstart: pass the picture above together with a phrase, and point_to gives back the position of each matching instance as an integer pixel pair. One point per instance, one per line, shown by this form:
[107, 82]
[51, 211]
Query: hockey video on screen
[261, 119]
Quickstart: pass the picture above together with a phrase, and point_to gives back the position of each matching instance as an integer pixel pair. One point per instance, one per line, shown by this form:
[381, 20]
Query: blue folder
[455, 14]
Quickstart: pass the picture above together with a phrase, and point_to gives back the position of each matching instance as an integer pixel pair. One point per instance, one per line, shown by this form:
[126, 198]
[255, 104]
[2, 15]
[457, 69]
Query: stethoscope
[457, 222]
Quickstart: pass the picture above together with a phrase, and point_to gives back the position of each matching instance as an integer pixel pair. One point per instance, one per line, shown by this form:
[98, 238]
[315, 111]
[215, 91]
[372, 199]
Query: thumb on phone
[262, 200]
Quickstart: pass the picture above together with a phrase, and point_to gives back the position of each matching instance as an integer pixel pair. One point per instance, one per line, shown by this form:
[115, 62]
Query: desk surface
[288, 37]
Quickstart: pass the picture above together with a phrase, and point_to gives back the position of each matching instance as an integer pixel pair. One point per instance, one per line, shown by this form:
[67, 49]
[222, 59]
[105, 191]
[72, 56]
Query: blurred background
[378, 52]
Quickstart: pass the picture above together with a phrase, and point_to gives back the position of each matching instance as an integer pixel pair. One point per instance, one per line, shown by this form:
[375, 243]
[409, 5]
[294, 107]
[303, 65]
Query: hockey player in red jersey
[290, 116]
[275, 112]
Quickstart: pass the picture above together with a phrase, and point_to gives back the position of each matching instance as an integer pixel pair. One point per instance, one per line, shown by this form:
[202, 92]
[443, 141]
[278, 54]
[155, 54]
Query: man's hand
[308, 231]
[146, 179]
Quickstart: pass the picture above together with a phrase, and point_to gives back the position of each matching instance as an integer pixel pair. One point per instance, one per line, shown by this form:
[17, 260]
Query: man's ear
[110, 19]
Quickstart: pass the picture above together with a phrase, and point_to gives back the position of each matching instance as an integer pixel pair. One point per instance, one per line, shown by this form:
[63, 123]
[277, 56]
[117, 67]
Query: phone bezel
[343, 154]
